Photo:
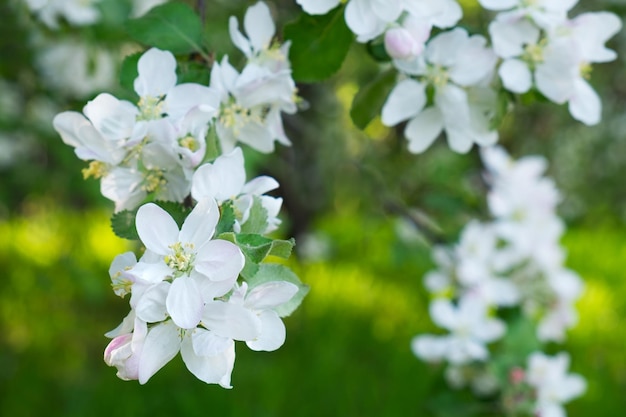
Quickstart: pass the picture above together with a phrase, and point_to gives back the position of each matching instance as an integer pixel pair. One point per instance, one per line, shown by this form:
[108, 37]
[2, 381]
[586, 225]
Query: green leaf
[255, 247]
[193, 72]
[370, 99]
[171, 26]
[128, 72]
[227, 219]
[257, 220]
[282, 248]
[277, 272]
[123, 225]
[319, 45]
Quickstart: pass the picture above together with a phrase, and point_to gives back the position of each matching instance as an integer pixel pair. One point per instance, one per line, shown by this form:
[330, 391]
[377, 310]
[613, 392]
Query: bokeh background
[348, 196]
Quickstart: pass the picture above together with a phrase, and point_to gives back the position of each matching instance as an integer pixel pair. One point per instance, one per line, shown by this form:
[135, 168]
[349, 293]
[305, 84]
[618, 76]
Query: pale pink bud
[517, 375]
[119, 353]
[400, 44]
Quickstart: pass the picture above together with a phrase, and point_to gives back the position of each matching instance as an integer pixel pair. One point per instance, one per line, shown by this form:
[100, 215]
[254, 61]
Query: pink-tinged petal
[207, 343]
[516, 76]
[231, 321]
[184, 303]
[156, 228]
[406, 100]
[161, 345]
[423, 129]
[272, 335]
[318, 6]
[199, 225]
[220, 260]
[259, 26]
[585, 105]
[113, 118]
[157, 73]
[270, 294]
[210, 369]
[151, 306]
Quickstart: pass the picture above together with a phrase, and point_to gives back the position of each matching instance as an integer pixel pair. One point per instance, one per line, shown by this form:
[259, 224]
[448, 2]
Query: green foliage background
[347, 197]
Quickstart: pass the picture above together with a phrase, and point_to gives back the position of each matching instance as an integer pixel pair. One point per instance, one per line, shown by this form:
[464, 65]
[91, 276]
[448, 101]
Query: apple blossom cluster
[511, 266]
[455, 82]
[541, 47]
[201, 283]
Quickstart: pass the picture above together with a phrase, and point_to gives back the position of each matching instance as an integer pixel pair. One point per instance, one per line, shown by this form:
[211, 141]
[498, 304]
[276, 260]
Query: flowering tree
[171, 159]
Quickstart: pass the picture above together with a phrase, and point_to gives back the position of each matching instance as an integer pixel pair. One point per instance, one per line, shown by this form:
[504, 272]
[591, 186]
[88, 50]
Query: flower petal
[210, 369]
[156, 228]
[270, 294]
[231, 320]
[199, 226]
[157, 73]
[259, 26]
[220, 260]
[184, 303]
[272, 335]
[161, 345]
[406, 100]
[423, 129]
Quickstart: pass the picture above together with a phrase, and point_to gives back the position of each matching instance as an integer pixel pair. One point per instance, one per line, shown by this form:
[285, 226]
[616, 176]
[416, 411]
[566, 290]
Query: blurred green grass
[347, 350]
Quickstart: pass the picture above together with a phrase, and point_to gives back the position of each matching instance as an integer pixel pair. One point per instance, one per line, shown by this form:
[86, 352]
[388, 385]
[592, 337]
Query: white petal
[210, 369]
[585, 105]
[231, 320]
[259, 26]
[220, 260]
[272, 335]
[184, 303]
[406, 100]
[423, 129]
[161, 345]
[199, 226]
[260, 185]
[498, 4]
[270, 294]
[362, 21]
[510, 38]
[230, 173]
[207, 343]
[185, 97]
[151, 305]
[113, 118]
[156, 228]
[240, 41]
[430, 348]
[443, 313]
[157, 73]
[516, 76]
[318, 6]
[443, 48]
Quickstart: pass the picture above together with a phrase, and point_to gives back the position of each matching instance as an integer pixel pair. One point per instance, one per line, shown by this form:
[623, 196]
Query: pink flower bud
[119, 353]
[517, 375]
[400, 44]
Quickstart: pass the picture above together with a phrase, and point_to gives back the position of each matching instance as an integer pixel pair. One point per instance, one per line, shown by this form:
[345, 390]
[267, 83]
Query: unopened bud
[400, 44]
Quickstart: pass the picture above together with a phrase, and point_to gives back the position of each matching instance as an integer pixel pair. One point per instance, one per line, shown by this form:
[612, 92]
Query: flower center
[182, 257]
[154, 181]
[96, 170]
[189, 142]
[150, 108]
[234, 116]
[437, 76]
